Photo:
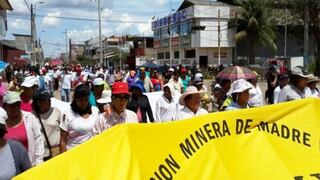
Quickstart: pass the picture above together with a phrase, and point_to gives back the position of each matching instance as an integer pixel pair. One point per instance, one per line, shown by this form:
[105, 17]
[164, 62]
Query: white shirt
[7, 168]
[51, 121]
[186, 113]
[315, 93]
[256, 98]
[113, 119]
[290, 92]
[66, 80]
[166, 110]
[79, 129]
[176, 84]
[276, 94]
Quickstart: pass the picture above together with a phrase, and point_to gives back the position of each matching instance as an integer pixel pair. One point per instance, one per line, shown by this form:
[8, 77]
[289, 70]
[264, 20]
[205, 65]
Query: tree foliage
[255, 26]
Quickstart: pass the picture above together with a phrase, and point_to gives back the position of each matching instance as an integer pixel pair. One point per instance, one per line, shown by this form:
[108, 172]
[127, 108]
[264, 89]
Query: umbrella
[3, 65]
[56, 62]
[236, 72]
[150, 65]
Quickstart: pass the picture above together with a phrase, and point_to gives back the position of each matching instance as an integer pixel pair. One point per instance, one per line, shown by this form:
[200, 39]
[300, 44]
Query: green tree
[255, 26]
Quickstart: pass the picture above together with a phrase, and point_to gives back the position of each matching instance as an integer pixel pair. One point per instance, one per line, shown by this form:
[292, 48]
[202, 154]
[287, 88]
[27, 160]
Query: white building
[194, 34]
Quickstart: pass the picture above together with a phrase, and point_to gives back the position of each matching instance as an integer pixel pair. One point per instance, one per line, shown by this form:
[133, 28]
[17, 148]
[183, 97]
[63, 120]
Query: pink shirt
[18, 133]
[26, 105]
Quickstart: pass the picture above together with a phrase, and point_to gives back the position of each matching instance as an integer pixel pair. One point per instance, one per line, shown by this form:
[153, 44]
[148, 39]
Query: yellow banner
[273, 142]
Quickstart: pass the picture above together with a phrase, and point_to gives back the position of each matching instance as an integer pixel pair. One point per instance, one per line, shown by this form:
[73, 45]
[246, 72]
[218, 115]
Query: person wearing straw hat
[240, 95]
[23, 127]
[297, 87]
[191, 100]
[13, 156]
[256, 97]
[116, 112]
[312, 84]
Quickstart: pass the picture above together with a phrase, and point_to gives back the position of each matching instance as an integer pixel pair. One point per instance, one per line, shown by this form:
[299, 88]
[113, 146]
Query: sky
[80, 19]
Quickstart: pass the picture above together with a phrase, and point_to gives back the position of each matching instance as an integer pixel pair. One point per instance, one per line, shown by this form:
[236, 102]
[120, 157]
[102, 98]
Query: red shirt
[18, 133]
[26, 105]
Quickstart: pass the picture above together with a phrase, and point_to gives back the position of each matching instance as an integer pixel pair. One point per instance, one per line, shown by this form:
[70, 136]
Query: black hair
[234, 97]
[224, 81]
[294, 79]
[3, 131]
[82, 90]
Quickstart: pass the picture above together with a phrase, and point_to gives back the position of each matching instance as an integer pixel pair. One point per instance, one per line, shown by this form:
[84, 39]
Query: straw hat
[189, 91]
[313, 78]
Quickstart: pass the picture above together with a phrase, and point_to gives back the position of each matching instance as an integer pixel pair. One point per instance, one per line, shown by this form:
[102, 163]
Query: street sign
[24, 56]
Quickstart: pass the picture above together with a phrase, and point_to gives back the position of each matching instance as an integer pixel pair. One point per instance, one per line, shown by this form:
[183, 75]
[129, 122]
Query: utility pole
[33, 60]
[70, 51]
[235, 47]
[306, 34]
[219, 49]
[100, 38]
[169, 31]
[66, 33]
[286, 33]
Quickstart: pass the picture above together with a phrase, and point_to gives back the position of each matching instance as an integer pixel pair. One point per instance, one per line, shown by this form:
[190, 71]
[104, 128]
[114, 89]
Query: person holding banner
[312, 84]
[78, 120]
[297, 87]
[166, 105]
[240, 95]
[191, 100]
[117, 113]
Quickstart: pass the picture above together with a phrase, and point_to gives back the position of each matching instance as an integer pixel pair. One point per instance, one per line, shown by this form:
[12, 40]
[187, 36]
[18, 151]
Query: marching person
[104, 100]
[49, 118]
[240, 95]
[176, 81]
[166, 105]
[205, 99]
[191, 100]
[297, 87]
[116, 113]
[96, 92]
[13, 156]
[256, 97]
[148, 86]
[23, 127]
[283, 81]
[29, 87]
[66, 82]
[312, 84]
[16, 82]
[78, 120]
[139, 103]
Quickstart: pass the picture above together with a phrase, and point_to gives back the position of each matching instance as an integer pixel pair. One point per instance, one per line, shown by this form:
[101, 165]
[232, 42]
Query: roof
[5, 5]
[14, 44]
[24, 35]
[187, 3]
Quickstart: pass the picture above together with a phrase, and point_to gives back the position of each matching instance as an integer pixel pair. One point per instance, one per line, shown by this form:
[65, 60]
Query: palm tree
[255, 25]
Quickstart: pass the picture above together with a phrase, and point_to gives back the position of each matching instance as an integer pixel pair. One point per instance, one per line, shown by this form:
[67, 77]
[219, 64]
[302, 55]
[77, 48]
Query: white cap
[3, 116]
[105, 98]
[98, 82]
[171, 69]
[46, 64]
[11, 97]
[198, 75]
[239, 86]
[30, 81]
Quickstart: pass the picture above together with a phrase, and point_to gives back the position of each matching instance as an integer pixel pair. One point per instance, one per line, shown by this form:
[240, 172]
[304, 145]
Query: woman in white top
[312, 84]
[191, 99]
[167, 105]
[256, 97]
[78, 120]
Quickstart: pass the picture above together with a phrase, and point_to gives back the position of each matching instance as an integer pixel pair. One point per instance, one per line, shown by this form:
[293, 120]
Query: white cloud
[19, 24]
[145, 29]
[50, 19]
[124, 26]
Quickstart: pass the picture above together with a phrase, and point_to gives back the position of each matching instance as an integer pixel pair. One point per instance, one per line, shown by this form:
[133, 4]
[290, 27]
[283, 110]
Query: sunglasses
[121, 97]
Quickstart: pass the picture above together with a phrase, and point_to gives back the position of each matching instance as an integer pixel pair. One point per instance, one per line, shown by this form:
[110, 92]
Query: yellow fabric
[155, 151]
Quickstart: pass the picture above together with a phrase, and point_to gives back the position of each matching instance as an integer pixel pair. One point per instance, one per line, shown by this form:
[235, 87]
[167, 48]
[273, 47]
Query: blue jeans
[65, 95]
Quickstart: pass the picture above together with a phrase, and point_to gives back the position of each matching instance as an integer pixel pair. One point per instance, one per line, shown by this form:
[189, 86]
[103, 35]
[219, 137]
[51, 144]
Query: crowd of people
[32, 130]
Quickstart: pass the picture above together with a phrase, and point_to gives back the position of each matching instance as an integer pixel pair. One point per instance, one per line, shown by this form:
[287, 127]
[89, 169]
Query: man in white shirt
[283, 81]
[191, 99]
[166, 105]
[176, 81]
[117, 113]
[66, 81]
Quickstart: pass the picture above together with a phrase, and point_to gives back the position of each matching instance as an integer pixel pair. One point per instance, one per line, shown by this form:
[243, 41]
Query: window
[167, 55]
[185, 28]
[112, 43]
[164, 33]
[157, 35]
[175, 31]
[190, 53]
[160, 55]
[176, 54]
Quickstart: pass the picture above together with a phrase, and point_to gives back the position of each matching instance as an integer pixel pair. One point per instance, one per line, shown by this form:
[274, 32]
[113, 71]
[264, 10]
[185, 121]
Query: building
[76, 50]
[4, 6]
[189, 36]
